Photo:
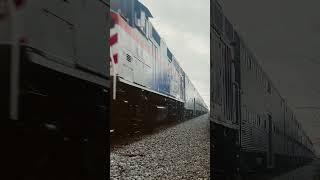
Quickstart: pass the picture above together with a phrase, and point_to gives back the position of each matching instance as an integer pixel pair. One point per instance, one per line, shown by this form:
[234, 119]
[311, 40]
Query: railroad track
[172, 151]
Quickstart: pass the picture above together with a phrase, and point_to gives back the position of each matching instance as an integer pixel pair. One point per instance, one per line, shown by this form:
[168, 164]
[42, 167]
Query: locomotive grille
[129, 58]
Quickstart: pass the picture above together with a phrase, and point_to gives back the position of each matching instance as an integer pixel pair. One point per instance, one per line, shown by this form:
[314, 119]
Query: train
[253, 127]
[55, 83]
[149, 87]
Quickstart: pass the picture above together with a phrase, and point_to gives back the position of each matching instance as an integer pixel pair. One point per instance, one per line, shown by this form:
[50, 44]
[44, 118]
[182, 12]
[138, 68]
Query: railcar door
[156, 70]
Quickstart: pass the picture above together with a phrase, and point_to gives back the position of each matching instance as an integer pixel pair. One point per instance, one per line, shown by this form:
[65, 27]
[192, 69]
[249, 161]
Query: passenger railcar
[194, 105]
[149, 85]
[248, 114]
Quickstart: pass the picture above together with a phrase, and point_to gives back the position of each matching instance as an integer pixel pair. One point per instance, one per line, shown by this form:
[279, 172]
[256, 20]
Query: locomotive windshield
[124, 8]
[132, 11]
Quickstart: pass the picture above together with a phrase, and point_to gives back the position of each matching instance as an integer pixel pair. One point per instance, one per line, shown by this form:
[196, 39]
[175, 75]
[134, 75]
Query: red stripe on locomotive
[113, 40]
[128, 29]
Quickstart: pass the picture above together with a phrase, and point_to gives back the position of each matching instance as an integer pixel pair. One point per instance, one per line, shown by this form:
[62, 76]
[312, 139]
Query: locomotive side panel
[254, 126]
[52, 30]
[145, 61]
[153, 88]
[222, 88]
[215, 77]
[90, 48]
[55, 31]
[190, 98]
[270, 135]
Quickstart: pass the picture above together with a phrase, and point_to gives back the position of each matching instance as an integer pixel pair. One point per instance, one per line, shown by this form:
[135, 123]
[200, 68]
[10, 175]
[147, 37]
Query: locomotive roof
[143, 8]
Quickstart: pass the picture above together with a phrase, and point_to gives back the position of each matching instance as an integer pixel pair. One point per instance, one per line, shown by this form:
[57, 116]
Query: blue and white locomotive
[149, 85]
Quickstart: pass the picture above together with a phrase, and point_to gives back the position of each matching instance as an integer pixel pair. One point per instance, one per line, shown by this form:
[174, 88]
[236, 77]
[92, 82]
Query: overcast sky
[285, 37]
[185, 26]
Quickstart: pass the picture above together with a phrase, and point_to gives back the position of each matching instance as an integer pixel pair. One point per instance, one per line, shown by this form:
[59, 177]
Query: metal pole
[114, 94]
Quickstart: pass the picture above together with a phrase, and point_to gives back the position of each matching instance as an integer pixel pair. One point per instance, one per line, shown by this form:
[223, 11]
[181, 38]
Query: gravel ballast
[178, 152]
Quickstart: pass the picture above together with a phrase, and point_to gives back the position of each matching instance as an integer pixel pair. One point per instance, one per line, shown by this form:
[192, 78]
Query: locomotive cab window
[156, 36]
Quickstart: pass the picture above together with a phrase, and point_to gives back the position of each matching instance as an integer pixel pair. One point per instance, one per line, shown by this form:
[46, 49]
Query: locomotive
[253, 128]
[56, 82]
[148, 84]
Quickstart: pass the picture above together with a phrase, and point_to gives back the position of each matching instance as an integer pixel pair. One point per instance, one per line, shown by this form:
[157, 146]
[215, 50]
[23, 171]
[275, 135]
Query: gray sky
[285, 37]
[185, 26]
